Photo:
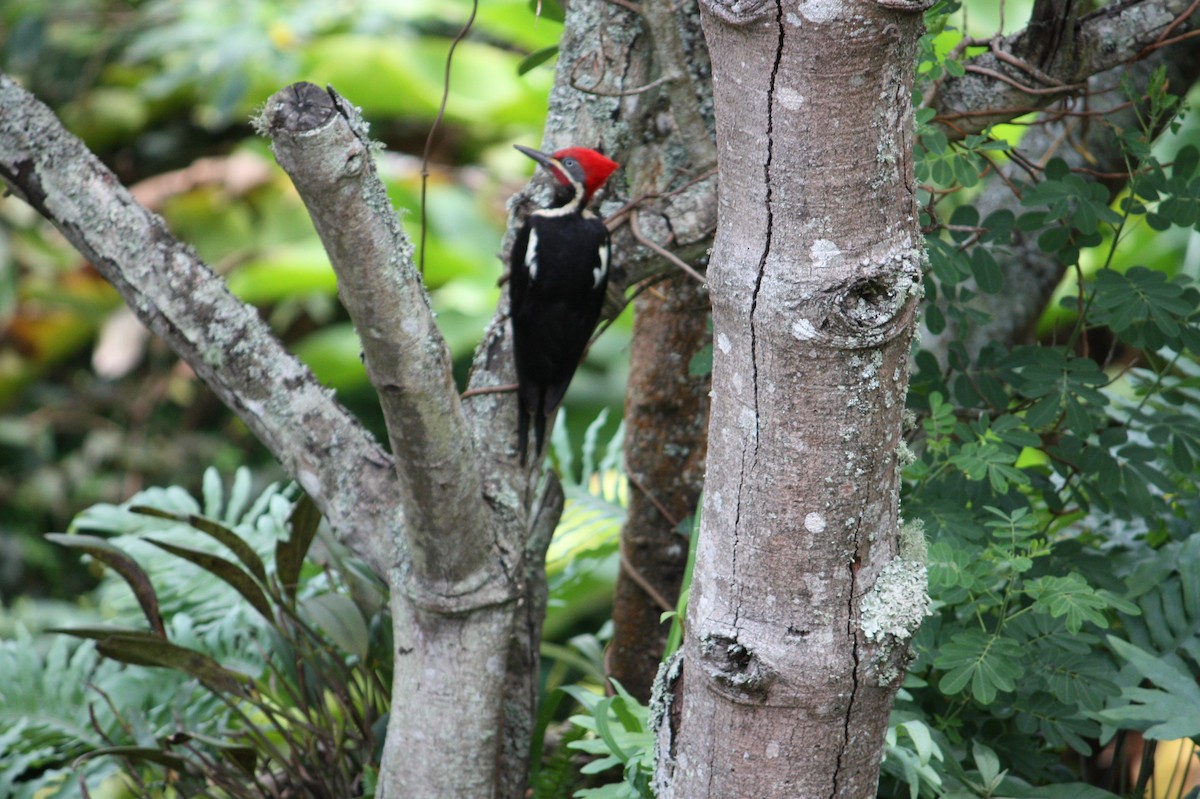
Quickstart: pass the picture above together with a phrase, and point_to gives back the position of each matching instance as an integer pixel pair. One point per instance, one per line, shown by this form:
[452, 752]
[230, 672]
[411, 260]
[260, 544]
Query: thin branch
[627, 92]
[1062, 88]
[437, 121]
[640, 486]
[474, 392]
[643, 583]
[1167, 42]
[1177, 22]
[670, 256]
[1024, 66]
[617, 217]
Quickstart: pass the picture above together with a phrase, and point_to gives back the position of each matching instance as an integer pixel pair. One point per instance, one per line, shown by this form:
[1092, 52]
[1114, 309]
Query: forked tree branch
[321, 142]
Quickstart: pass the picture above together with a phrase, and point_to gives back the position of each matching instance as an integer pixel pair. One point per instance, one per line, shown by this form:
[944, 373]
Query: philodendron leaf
[145, 754]
[1170, 710]
[242, 756]
[339, 618]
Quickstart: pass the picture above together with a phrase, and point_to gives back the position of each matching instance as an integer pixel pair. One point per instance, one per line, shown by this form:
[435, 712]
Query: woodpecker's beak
[543, 159]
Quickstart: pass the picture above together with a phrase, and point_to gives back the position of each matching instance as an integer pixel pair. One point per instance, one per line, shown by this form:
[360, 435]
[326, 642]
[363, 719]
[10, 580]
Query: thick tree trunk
[802, 600]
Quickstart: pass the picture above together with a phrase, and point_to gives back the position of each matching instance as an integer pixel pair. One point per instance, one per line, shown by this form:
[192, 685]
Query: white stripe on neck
[572, 207]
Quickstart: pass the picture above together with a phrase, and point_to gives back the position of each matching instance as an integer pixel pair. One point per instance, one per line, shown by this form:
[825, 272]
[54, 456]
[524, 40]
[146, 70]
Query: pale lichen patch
[899, 599]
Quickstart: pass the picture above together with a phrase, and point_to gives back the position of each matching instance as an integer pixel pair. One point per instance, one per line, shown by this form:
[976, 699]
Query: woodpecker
[558, 277]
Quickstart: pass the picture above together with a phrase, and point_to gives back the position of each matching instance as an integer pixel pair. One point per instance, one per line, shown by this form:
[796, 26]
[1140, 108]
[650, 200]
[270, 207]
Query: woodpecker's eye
[570, 163]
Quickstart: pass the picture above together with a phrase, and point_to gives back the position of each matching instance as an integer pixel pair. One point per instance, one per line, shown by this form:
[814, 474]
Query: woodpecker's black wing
[559, 274]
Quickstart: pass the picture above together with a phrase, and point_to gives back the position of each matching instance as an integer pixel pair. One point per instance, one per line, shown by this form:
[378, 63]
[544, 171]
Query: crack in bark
[762, 261]
[837, 770]
[733, 552]
[762, 268]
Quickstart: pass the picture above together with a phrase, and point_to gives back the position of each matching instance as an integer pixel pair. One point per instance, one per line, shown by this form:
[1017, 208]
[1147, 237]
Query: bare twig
[1024, 66]
[437, 121]
[643, 583]
[1166, 34]
[670, 256]
[627, 92]
[474, 392]
[640, 486]
[1062, 88]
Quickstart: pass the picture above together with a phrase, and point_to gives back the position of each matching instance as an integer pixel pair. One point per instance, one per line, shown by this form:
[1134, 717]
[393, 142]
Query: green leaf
[605, 731]
[964, 216]
[146, 649]
[1070, 597]
[999, 226]
[1185, 161]
[341, 620]
[1069, 198]
[1170, 711]
[141, 753]
[536, 59]
[233, 542]
[988, 765]
[987, 272]
[955, 571]
[1141, 305]
[701, 363]
[1063, 386]
[988, 663]
[990, 460]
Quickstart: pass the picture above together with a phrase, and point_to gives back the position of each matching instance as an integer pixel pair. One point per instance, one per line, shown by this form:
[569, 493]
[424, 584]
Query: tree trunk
[666, 415]
[803, 597]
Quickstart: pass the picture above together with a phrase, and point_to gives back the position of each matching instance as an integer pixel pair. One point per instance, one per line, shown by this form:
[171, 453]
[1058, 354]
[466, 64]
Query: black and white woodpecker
[558, 278]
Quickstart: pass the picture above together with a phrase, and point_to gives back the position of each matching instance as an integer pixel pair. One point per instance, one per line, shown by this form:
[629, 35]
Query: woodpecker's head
[578, 170]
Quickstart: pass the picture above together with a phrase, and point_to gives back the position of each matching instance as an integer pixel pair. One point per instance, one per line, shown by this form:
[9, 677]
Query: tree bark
[321, 143]
[802, 601]
[457, 589]
[666, 416]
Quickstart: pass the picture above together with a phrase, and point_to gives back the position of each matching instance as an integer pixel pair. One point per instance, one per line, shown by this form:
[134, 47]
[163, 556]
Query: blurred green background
[92, 408]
